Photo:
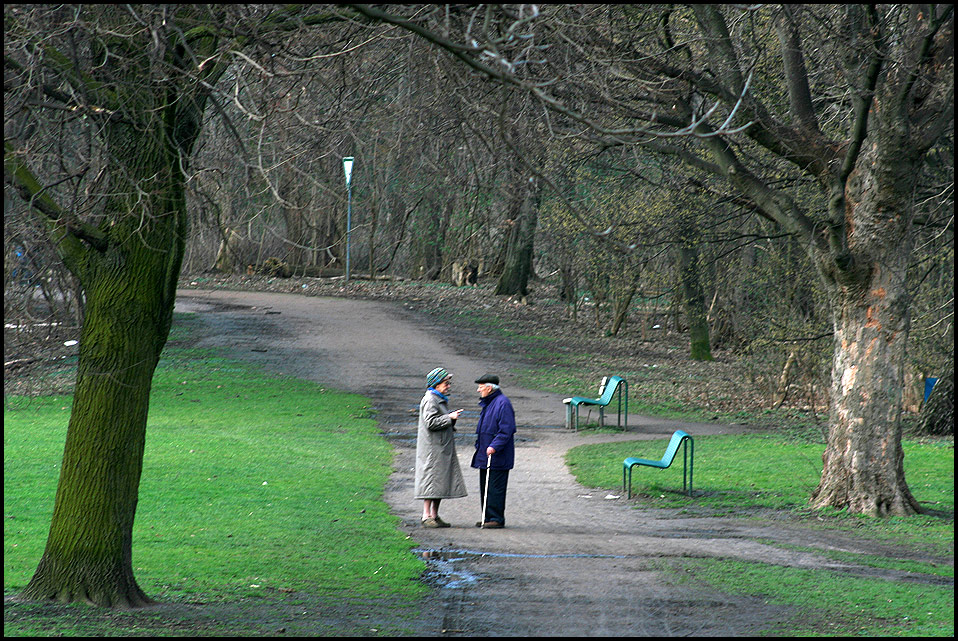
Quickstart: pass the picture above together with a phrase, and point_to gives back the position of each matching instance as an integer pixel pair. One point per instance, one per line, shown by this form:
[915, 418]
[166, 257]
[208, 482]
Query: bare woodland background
[452, 170]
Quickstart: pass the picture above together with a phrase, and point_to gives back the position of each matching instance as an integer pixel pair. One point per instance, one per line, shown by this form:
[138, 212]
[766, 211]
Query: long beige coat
[437, 467]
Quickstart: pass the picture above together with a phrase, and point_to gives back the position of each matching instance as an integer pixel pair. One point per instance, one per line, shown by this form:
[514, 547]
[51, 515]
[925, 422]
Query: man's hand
[490, 451]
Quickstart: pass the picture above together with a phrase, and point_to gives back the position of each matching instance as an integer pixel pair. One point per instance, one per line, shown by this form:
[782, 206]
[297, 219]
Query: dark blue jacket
[496, 427]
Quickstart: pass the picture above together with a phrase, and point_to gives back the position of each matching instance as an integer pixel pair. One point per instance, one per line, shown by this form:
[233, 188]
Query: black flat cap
[488, 378]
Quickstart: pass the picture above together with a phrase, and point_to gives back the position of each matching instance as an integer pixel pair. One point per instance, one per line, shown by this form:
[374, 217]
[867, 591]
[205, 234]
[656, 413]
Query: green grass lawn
[755, 476]
[252, 488]
[743, 471]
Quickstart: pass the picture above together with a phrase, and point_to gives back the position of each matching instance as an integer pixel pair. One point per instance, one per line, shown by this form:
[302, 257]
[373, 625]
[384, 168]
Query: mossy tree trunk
[88, 556]
[130, 285]
[693, 298]
[128, 260]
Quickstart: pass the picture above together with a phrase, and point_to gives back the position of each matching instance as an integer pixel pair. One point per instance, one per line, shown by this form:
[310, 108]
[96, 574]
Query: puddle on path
[444, 571]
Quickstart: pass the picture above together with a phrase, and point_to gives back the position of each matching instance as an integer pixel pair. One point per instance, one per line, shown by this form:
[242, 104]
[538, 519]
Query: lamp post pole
[348, 169]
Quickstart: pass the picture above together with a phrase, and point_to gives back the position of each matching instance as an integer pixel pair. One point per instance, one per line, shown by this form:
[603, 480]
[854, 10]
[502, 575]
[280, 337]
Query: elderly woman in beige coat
[437, 467]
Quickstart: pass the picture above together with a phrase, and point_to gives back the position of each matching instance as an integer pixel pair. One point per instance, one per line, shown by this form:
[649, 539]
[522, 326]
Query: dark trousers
[496, 506]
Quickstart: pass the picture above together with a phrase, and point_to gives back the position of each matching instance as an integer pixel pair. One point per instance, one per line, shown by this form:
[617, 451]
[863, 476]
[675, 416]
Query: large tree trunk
[693, 299]
[520, 242]
[129, 276]
[88, 556]
[937, 417]
[863, 462]
[130, 287]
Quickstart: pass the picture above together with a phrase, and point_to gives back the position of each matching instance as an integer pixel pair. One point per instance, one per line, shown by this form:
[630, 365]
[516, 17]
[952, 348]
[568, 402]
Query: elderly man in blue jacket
[495, 449]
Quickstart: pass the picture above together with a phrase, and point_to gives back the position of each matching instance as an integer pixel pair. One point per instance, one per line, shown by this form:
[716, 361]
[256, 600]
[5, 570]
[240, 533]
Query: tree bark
[517, 271]
[620, 307]
[128, 265]
[863, 462]
[937, 416]
[88, 555]
[693, 299]
[130, 292]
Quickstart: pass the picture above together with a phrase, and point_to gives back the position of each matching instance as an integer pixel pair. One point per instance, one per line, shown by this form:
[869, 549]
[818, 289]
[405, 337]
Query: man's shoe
[490, 525]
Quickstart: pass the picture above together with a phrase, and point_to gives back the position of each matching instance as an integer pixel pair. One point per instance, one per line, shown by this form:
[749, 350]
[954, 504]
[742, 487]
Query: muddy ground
[572, 561]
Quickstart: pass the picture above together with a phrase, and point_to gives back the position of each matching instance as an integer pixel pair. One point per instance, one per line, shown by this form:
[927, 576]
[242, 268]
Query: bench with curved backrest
[607, 389]
[679, 438]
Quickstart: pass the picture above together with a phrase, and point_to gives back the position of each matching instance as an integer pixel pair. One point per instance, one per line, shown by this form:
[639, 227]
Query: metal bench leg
[691, 464]
[688, 464]
[618, 416]
[625, 427]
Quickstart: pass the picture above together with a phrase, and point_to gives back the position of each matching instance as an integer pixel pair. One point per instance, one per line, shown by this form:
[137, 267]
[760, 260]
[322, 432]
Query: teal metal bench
[608, 389]
[688, 454]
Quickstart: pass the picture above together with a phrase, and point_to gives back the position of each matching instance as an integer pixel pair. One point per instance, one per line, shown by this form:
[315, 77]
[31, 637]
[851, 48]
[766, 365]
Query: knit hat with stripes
[436, 376]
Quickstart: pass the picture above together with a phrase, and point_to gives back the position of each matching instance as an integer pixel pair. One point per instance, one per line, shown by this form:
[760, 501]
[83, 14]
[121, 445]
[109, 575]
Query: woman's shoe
[441, 523]
[430, 523]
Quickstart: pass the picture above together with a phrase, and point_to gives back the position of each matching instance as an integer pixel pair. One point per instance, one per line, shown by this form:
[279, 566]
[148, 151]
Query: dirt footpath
[571, 561]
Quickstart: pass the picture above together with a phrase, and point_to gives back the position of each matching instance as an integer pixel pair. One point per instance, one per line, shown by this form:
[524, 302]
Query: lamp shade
[348, 168]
